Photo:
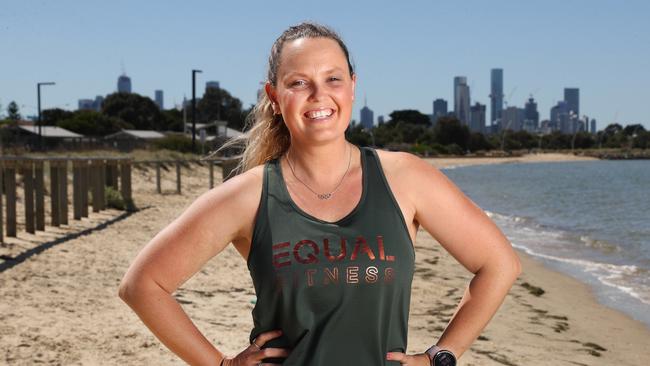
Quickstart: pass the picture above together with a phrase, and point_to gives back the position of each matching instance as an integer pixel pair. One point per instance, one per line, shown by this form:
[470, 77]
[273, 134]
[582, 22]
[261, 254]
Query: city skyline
[404, 68]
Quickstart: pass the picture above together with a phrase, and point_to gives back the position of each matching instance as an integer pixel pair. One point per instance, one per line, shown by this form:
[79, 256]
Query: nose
[317, 91]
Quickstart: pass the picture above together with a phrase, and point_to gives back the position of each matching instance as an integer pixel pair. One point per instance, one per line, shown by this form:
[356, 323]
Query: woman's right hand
[254, 354]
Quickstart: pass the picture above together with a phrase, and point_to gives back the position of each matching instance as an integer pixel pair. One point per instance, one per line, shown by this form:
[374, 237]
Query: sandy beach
[59, 303]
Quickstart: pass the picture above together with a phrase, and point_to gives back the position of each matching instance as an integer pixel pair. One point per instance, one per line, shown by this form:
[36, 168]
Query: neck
[321, 163]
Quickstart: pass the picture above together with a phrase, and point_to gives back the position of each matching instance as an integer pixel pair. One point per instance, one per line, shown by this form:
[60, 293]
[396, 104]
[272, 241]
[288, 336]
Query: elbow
[123, 291]
[515, 267]
[128, 289]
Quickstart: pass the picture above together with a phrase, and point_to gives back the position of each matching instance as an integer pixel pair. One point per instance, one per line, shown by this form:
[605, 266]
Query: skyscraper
[159, 99]
[123, 84]
[477, 123]
[531, 115]
[439, 109]
[461, 99]
[367, 117]
[593, 126]
[560, 117]
[572, 99]
[496, 95]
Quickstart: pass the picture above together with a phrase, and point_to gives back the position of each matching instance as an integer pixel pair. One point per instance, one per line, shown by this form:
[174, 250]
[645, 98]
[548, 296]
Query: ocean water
[588, 219]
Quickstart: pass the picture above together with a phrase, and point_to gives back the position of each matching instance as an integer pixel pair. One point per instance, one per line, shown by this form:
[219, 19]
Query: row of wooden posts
[227, 166]
[89, 175]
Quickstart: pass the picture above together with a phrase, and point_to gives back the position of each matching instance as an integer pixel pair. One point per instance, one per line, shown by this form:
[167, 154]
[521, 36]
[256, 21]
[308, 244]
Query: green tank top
[339, 291]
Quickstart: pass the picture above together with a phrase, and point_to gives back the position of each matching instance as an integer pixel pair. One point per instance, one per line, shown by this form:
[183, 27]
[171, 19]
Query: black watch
[441, 357]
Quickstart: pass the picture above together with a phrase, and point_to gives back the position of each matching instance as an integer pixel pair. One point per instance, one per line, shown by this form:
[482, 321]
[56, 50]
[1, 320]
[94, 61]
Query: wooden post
[102, 184]
[63, 192]
[211, 166]
[84, 186]
[28, 188]
[39, 188]
[125, 180]
[55, 201]
[158, 187]
[76, 190]
[96, 182]
[178, 177]
[10, 189]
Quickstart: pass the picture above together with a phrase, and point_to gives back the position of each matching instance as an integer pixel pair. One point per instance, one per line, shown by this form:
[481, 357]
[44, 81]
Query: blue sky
[406, 54]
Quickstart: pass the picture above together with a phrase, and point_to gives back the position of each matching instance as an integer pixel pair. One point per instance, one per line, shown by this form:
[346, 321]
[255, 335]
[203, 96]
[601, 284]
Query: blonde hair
[266, 136]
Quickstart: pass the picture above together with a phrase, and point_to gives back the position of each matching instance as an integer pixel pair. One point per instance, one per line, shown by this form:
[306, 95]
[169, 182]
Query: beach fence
[90, 178]
[228, 166]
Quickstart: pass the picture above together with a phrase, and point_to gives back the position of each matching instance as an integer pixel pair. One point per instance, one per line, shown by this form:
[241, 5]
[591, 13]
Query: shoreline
[584, 302]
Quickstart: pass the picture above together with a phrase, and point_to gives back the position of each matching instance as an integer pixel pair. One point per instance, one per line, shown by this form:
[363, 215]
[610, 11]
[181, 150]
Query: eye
[333, 78]
[298, 83]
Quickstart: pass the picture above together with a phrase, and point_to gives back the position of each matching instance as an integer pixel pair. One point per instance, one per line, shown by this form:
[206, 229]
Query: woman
[327, 230]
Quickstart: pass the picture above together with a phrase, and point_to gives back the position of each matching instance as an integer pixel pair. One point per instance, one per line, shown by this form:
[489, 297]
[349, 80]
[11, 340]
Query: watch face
[444, 358]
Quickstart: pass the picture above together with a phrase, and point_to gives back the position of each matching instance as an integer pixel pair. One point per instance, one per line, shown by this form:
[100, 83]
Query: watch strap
[431, 352]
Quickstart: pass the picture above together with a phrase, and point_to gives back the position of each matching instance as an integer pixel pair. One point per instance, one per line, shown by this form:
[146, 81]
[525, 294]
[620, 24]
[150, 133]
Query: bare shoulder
[407, 169]
[243, 193]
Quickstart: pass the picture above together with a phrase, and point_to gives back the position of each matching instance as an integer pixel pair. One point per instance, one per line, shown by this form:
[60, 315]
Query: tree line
[413, 131]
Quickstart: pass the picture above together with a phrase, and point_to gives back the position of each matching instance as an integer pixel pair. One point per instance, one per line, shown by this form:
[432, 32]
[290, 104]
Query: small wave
[602, 245]
[608, 274]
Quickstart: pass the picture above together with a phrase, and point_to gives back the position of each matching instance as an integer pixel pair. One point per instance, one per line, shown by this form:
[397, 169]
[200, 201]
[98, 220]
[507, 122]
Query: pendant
[325, 196]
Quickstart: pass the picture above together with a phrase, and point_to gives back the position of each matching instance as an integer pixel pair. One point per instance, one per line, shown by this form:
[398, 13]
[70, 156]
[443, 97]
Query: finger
[267, 336]
[272, 353]
[398, 356]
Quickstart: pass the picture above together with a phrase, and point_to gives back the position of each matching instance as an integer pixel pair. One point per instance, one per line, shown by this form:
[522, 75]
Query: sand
[60, 305]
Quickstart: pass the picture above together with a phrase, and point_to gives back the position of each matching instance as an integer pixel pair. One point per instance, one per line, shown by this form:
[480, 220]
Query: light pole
[194, 72]
[38, 92]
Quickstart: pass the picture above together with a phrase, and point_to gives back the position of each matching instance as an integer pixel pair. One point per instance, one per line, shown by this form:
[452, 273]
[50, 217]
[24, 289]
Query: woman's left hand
[421, 359]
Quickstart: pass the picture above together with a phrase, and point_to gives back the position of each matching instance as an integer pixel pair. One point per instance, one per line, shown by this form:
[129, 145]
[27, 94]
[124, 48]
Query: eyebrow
[328, 71]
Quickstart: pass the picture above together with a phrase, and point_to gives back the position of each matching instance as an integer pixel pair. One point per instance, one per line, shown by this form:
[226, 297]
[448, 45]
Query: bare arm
[220, 216]
[466, 232]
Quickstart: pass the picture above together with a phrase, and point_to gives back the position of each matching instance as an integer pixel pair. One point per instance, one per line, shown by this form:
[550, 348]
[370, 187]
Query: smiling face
[314, 90]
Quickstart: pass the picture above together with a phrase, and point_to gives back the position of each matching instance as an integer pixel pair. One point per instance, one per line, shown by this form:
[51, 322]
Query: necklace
[322, 196]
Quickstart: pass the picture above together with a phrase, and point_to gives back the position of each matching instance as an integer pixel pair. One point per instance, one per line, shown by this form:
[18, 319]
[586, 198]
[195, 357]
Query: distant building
[127, 140]
[380, 120]
[477, 120]
[85, 104]
[439, 110]
[593, 129]
[461, 99]
[545, 126]
[572, 99]
[531, 116]
[159, 99]
[212, 84]
[496, 95]
[90, 104]
[367, 117]
[98, 103]
[560, 120]
[123, 84]
[512, 118]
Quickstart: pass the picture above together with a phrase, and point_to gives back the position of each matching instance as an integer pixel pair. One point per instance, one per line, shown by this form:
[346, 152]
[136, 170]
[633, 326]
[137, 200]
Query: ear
[354, 84]
[271, 94]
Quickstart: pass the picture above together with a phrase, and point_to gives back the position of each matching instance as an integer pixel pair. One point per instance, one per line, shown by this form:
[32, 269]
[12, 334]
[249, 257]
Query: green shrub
[115, 200]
